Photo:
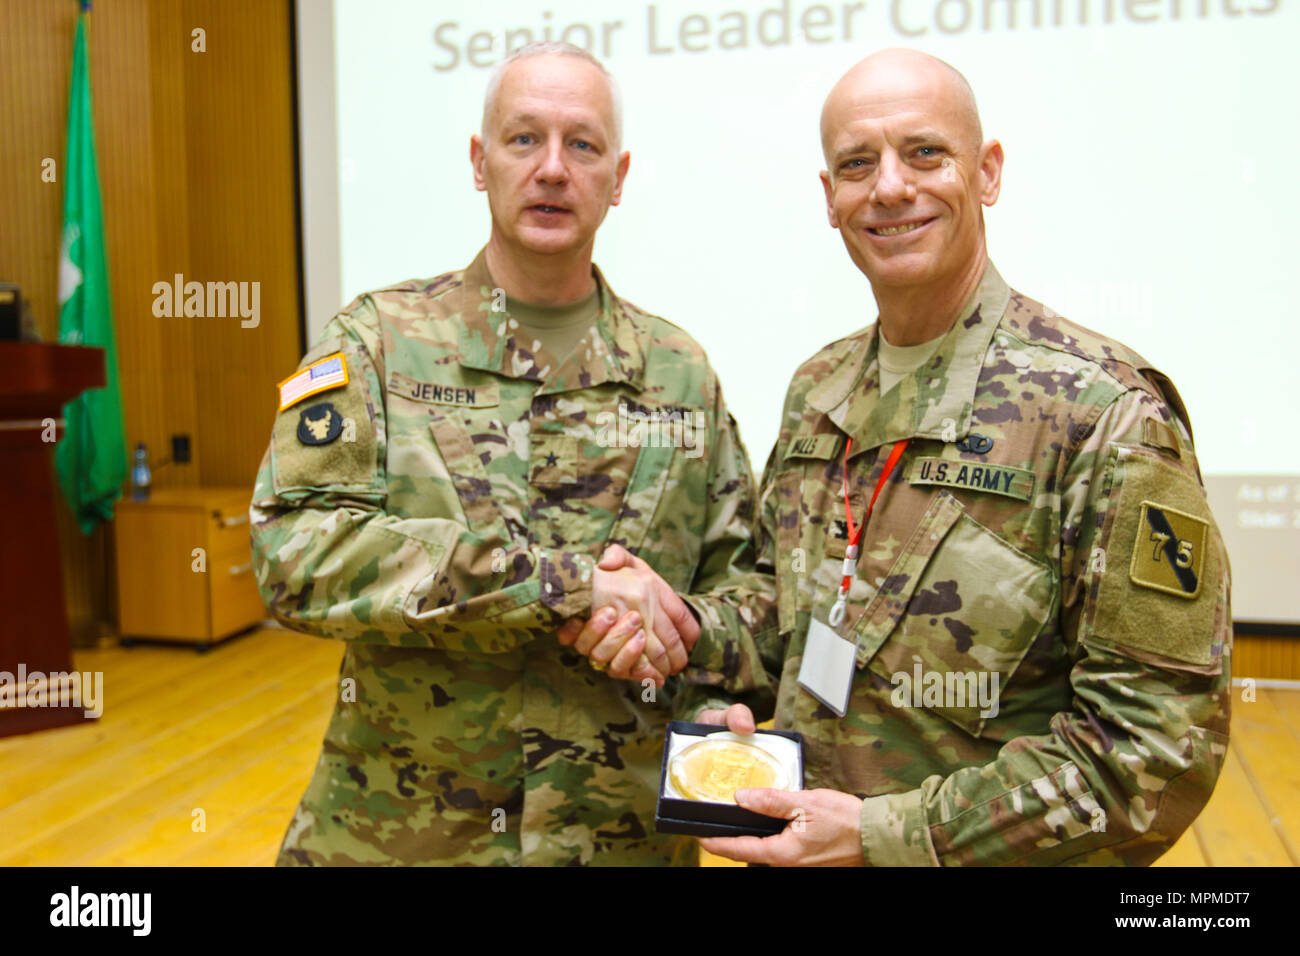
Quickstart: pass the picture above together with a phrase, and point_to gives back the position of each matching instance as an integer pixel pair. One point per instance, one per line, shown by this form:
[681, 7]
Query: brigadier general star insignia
[319, 424]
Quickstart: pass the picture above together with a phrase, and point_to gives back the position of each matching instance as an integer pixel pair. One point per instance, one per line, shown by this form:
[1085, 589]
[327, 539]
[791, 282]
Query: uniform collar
[613, 350]
[936, 400]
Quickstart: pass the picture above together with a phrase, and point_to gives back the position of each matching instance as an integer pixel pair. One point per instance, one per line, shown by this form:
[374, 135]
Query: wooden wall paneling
[119, 56]
[242, 224]
[196, 174]
[118, 45]
[169, 48]
[34, 61]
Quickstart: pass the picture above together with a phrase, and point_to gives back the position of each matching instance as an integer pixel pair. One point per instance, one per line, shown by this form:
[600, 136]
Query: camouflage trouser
[422, 769]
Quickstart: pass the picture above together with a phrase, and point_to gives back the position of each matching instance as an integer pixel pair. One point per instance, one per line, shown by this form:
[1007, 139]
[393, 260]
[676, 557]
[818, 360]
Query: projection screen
[1148, 191]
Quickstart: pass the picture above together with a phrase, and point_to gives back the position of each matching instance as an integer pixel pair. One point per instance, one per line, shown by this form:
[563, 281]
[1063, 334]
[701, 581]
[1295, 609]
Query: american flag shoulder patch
[320, 376]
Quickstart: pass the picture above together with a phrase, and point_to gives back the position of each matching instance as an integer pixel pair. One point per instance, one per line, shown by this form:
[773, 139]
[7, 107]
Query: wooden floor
[236, 733]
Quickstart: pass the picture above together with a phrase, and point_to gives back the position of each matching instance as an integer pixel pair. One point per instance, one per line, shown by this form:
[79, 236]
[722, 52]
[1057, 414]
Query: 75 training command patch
[1168, 550]
[329, 372]
[1157, 585]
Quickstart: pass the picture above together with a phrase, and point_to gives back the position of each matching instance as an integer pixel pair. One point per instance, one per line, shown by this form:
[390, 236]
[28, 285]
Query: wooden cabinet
[184, 568]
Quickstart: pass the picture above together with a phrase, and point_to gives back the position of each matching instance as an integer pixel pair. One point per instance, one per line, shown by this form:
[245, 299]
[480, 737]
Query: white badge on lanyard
[827, 668]
[829, 661]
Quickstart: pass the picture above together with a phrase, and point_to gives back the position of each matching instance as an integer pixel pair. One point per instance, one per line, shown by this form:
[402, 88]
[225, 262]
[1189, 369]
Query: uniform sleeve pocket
[324, 437]
[963, 623]
[1155, 578]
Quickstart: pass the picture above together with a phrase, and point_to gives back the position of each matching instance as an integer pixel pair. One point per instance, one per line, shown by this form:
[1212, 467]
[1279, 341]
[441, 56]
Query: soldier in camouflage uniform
[442, 509]
[1044, 539]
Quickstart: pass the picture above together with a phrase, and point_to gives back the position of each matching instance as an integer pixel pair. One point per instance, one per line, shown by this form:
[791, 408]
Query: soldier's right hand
[737, 718]
[671, 628]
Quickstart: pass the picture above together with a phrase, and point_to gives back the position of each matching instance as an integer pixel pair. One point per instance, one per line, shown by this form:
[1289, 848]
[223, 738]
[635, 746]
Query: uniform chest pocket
[635, 475]
[961, 626]
[664, 504]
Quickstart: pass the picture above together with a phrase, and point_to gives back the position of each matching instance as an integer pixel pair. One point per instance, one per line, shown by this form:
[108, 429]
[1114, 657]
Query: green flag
[91, 456]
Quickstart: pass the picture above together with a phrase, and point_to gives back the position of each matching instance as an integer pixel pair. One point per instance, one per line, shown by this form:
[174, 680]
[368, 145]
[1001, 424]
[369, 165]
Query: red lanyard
[855, 533]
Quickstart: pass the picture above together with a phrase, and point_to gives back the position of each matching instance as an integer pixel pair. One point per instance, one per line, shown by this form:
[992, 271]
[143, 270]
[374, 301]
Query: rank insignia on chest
[837, 537]
[319, 424]
[1168, 551]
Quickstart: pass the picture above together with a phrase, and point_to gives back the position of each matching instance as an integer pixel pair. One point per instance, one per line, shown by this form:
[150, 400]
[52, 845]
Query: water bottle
[140, 476]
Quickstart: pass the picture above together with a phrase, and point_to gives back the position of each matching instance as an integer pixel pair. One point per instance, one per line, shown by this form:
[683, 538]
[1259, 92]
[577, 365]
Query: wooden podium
[36, 381]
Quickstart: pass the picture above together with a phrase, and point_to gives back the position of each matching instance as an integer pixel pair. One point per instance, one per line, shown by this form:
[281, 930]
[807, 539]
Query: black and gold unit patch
[1169, 550]
[319, 424]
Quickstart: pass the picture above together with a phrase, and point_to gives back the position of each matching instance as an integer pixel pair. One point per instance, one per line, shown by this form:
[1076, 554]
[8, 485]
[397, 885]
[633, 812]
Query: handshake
[640, 628]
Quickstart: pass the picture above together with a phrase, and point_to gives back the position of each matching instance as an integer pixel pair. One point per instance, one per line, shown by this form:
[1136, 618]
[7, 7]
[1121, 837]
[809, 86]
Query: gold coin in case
[714, 769]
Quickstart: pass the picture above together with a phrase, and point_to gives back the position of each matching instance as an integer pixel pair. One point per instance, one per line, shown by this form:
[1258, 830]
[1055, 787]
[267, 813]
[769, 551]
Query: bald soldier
[1022, 655]
[445, 470]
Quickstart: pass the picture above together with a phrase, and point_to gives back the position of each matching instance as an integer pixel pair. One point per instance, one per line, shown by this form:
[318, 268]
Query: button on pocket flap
[887, 605]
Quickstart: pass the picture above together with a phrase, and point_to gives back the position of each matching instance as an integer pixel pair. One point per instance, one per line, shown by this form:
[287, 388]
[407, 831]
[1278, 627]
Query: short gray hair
[551, 48]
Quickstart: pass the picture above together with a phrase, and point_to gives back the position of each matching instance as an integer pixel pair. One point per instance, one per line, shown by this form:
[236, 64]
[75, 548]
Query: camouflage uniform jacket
[449, 530]
[1047, 527]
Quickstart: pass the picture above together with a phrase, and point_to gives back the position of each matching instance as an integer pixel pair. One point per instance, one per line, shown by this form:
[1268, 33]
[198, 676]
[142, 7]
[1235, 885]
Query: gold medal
[715, 768]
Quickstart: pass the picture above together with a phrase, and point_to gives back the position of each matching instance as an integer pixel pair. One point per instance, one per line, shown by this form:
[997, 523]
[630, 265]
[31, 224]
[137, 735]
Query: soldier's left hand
[674, 624]
[824, 829]
[617, 642]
